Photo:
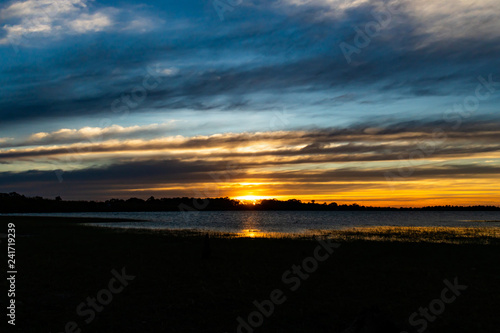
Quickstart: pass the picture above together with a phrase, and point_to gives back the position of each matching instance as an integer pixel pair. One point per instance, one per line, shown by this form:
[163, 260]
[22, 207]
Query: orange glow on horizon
[405, 193]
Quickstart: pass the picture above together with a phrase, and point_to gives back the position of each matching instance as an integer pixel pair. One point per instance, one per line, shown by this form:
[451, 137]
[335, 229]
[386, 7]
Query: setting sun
[252, 198]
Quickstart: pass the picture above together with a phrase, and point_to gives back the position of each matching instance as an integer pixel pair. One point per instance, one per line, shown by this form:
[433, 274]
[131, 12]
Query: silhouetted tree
[16, 203]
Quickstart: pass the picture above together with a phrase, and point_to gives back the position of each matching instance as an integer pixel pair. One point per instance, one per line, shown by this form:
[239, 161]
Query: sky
[381, 103]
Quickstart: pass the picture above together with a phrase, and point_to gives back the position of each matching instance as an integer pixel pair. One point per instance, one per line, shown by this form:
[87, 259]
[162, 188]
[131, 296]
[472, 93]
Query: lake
[255, 223]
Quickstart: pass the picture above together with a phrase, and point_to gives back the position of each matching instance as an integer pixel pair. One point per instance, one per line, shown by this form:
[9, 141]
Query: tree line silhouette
[17, 203]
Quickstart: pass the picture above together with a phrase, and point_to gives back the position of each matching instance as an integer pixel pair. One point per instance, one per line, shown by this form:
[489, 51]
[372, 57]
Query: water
[252, 223]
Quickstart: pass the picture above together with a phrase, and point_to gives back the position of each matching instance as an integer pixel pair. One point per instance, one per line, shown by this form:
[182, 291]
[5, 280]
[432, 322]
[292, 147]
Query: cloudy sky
[377, 102]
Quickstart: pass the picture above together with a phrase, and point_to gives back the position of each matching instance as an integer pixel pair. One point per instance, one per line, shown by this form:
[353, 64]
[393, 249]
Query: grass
[450, 235]
[61, 263]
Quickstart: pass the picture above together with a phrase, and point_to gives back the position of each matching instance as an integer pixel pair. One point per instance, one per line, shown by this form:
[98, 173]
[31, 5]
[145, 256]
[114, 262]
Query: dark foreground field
[165, 284]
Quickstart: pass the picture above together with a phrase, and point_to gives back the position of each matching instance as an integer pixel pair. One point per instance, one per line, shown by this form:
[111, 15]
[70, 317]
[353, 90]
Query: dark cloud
[259, 49]
[363, 142]
[116, 179]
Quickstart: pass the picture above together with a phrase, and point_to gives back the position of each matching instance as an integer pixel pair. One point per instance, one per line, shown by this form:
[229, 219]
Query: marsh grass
[447, 235]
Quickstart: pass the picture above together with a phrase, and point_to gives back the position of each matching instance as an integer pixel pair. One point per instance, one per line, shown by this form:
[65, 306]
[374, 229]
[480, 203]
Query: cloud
[87, 135]
[30, 21]
[266, 55]
[351, 163]
[171, 177]
[412, 141]
[466, 19]
[91, 23]
[33, 18]
[435, 20]
[49, 8]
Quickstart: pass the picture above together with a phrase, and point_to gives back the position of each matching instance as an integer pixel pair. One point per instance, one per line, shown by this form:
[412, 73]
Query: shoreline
[190, 284]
